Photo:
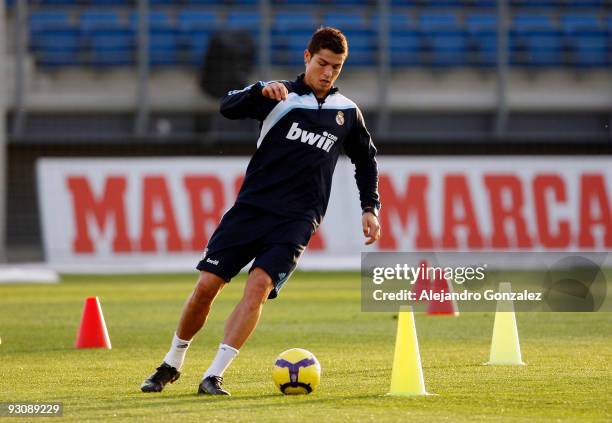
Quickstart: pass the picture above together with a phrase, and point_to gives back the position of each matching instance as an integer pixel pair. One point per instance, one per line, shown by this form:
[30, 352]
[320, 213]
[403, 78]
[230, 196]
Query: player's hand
[275, 91]
[371, 227]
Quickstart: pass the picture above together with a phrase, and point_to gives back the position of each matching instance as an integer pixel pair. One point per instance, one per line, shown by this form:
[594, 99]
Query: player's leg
[193, 317]
[238, 327]
[272, 267]
[197, 306]
[247, 312]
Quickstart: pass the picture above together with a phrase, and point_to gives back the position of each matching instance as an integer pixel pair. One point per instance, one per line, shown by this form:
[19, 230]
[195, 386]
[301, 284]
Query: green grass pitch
[568, 376]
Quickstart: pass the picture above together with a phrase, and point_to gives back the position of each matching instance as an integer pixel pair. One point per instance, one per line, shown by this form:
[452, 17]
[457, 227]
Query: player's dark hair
[330, 38]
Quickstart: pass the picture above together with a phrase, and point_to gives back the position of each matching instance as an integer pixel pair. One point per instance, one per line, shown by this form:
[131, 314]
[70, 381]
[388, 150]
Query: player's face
[322, 70]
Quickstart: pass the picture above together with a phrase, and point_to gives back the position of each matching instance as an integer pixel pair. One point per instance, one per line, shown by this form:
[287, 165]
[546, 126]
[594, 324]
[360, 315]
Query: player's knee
[258, 287]
[207, 288]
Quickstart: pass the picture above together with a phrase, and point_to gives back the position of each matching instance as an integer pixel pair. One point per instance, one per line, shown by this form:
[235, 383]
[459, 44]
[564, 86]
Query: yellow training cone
[505, 347]
[407, 374]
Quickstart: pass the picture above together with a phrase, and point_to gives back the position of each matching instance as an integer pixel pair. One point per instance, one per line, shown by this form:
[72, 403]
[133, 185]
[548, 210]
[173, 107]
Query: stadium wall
[146, 214]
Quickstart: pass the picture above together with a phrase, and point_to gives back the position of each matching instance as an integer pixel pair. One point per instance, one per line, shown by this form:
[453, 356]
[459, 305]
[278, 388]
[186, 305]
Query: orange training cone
[92, 331]
[446, 306]
[422, 283]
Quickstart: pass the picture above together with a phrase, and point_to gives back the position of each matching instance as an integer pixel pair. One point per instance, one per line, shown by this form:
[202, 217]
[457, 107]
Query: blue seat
[444, 39]
[111, 2]
[92, 19]
[196, 48]
[355, 21]
[112, 47]
[293, 53]
[478, 23]
[291, 21]
[543, 50]
[58, 2]
[157, 18]
[58, 47]
[164, 46]
[537, 3]
[586, 3]
[405, 48]
[212, 2]
[578, 23]
[443, 3]
[482, 38]
[243, 20]
[430, 22]
[247, 21]
[448, 49]
[197, 19]
[42, 19]
[590, 49]
[483, 3]
[526, 23]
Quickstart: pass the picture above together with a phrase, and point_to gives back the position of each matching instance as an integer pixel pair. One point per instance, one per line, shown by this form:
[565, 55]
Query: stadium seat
[444, 39]
[482, 38]
[112, 47]
[164, 46]
[524, 23]
[589, 49]
[535, 40]
[41, 20]
[113, 2]
[405, 48]
[197, 19]
[92, 19]
[196, 26]
[209, 2]
[573, 23]
[58, 47]
[249, 21]
[586, 3]
[157, 19]
[354, 21]
[285, 22]
[360, 33]
[293, 55]
[430, 22]
[536, 3]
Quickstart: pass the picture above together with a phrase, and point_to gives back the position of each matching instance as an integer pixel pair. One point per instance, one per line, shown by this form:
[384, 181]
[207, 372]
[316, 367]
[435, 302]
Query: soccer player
[304, 125]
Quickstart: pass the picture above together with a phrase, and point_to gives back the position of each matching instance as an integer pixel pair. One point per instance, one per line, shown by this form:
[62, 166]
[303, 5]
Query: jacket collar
[302, 88]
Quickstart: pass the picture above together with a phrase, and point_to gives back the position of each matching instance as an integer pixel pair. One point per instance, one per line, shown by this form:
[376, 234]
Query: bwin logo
[324, 141]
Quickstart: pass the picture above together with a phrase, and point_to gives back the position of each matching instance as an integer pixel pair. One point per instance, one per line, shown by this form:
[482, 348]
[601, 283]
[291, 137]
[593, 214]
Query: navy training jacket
[298, 147]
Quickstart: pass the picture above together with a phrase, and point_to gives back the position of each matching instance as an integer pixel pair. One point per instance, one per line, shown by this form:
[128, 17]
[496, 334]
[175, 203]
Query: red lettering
[317, 242]
[412, 202]
[155, 193]
[542, 185]
[110, 205]
[593, 196]
[457, 196]
[512, 212]
[205, 215]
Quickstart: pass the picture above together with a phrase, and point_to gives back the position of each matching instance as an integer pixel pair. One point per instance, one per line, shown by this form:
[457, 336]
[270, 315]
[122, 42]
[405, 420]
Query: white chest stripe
[295, 101]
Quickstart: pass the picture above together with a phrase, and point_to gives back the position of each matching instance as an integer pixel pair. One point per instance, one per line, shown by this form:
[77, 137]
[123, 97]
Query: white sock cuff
[229, 347]
[178, 340]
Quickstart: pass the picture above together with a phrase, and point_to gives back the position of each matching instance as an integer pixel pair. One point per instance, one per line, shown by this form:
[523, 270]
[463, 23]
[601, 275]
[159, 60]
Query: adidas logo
[323, 141]
[281, 276]
[214, 262]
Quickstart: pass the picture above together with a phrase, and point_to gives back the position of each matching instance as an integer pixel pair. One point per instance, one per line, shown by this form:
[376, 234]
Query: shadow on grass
[246, 402]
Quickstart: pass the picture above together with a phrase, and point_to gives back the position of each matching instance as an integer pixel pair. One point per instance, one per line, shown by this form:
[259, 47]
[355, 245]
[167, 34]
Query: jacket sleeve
[247, 103]
[360, 149]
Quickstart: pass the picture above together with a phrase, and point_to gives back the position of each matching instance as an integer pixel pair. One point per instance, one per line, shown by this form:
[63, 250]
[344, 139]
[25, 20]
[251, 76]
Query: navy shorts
[245, 233]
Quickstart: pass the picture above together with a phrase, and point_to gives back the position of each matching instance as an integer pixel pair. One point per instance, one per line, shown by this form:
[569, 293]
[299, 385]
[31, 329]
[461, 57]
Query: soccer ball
[296, 372]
